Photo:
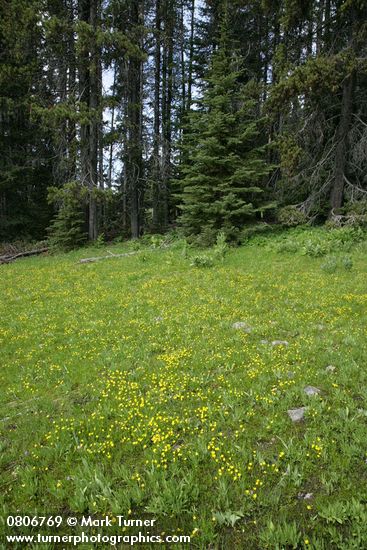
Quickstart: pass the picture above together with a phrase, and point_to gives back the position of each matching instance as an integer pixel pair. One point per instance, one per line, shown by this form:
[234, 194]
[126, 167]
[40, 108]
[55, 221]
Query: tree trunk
[156, 138]
[336, 197]
[191, 56]
[110, 161]
[134, 109]
[83, 74]
[94, 123]
[166, 113]
[71, 92]
[319, 27]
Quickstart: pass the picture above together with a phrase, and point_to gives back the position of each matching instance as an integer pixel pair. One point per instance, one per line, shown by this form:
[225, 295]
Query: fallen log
[110, 255]
[8, 259]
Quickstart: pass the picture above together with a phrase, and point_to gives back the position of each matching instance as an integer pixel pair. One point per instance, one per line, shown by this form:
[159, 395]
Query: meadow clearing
[128, 389]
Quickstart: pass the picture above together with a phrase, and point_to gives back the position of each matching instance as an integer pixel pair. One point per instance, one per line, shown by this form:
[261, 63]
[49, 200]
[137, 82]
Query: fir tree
[68, 228]
[225, 167]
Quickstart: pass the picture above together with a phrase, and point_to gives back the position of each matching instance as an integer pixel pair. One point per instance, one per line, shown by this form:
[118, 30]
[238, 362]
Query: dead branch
[7, 259]
[110, 255]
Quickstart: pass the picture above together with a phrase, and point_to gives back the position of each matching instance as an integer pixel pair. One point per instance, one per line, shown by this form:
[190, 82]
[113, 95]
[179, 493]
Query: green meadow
[127, 388]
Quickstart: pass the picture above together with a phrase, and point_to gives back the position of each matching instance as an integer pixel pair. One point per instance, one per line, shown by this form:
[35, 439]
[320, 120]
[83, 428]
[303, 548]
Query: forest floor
[128, 389]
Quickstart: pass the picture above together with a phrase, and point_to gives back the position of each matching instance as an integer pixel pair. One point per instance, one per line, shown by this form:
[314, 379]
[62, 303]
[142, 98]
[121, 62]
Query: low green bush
[291, 216]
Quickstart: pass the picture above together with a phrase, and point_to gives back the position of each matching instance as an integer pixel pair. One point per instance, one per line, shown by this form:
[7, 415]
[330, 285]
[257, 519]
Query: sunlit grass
[126, 388]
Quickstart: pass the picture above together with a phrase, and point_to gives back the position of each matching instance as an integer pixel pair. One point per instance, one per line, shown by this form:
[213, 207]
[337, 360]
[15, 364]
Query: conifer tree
[226, 166]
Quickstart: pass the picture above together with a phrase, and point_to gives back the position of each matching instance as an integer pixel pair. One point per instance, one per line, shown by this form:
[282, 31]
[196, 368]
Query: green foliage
[258, 231]
[197, 433]
[354, 214]
[202, 260]
[25, 151]
[319, 242]
[290, 216]
[225, 167]
[346, 237]
[228, 518]
[347, 263]
[288, 245]
[330, 265]
[205, 238]
[221, 247]
[100, 241]
[290, 155]
[314, 248]
[212, 256]
[15, 247]
[281, 535]
[68, 228]
[318, 76]
[156, 241]
[356, 207]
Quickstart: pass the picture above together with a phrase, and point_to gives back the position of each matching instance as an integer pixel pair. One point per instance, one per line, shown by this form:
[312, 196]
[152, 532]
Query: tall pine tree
[226, 166]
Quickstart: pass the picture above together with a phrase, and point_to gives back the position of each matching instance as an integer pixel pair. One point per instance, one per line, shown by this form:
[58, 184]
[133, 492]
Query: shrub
[202, 260]
[354, 215]
[281, 535]
[314, 249]
[206, 238]
[347, 263]
[290, 216]
[288, 245]
[346, 236]
[261, 229]
[221, 247]
[100, 240]
[330, 265]
[68, 228]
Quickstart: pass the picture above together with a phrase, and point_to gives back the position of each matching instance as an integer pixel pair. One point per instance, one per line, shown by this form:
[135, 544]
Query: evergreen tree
[226, 166]
[69, 228]
[25, 149]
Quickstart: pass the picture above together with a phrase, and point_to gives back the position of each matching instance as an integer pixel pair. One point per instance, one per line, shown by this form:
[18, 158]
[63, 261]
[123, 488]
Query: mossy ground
[126, 390]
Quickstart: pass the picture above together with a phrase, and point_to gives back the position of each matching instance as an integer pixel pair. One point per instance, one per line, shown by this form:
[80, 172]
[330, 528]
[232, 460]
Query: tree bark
[112, 129]
[84, 85]
[166, 112]
[191, 55]
[336, 197]
[156, 138]
[94, 122]
[134, 109]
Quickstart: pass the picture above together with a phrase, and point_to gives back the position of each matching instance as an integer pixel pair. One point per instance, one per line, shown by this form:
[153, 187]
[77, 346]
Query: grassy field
[126, 389]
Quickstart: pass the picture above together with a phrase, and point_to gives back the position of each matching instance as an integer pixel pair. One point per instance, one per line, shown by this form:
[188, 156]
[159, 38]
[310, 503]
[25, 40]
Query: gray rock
[330, 368]
[305, 496]
[280, 343]
[242, 325]
[264, 342]
[311, 390]
[158, 319]
[297, 414]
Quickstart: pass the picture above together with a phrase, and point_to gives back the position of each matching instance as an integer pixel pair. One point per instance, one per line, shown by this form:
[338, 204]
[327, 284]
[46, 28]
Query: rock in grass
[330, 368]
[305, 496]
[279, 343]
[242, 325]
[297, 414]
[311, 390]
[264, 342]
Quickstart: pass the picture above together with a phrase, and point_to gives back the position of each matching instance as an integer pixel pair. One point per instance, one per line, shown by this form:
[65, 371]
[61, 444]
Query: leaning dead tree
[10, 258]
[108, 257]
